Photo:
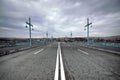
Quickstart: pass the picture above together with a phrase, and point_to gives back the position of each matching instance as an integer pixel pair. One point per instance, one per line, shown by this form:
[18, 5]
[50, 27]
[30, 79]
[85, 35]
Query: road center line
[83, 52]
[62, 67]
[59, 61]
[39, 51]
[56, 77]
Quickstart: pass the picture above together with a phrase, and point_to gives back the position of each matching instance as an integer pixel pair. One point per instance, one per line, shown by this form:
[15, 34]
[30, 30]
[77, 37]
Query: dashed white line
[39, 51]
[83, 52]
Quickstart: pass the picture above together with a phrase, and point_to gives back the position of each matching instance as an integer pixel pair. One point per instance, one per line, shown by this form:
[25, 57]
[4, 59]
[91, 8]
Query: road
[79, 63]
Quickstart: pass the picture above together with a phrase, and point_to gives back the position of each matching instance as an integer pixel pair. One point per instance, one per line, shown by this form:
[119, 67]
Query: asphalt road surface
[79, 63]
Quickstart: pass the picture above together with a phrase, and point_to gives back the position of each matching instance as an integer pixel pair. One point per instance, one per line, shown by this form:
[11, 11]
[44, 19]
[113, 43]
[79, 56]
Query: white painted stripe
[105, 50]
[56, 77]
[83, 52]
[62, 72]
[62, 67]
[39, 51]
[100, 49]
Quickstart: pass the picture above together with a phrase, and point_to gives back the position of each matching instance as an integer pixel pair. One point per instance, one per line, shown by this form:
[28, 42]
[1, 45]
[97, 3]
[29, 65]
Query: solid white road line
[83, 52]
[59, 60]
[39, 51]
[62, 67]
[56, 77]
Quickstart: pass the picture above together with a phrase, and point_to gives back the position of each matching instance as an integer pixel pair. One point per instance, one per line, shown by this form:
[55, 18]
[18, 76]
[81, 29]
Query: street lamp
[30, 26]
[89, 24]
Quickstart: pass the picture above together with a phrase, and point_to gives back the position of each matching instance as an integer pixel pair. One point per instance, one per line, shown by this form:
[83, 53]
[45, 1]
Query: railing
[113, 44]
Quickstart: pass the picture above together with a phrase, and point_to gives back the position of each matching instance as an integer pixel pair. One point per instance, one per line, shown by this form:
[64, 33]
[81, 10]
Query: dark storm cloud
[59, 17]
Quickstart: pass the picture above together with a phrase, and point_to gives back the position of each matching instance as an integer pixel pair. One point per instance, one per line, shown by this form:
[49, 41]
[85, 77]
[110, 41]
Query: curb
[7, 52]
[101, 49]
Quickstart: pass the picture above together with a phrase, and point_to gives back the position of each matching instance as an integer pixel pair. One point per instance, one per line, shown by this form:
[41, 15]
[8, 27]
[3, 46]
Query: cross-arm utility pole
[87, 26]
[46, 34]
[46, 37]
[71, 34]
[30, 28]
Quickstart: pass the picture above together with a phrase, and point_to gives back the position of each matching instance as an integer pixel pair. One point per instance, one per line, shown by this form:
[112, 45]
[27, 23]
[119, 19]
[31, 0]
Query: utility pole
[71, 34]
[46, 34]
[51, 38]
[30, 26]
[87, 26]
[46, 37]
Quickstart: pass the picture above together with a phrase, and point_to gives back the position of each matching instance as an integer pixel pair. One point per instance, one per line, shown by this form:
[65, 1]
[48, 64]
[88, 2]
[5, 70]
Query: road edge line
[111, 51]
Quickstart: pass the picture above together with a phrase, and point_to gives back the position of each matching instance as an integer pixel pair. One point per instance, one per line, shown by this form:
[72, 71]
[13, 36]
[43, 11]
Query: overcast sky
[59, 17]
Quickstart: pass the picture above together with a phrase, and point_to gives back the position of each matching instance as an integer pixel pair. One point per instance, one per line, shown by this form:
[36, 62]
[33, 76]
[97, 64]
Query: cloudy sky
[59, 17]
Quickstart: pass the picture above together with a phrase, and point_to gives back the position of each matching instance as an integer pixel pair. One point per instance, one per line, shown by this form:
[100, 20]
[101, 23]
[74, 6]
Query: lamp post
[87, 26]
[30, 26]
[71, 34]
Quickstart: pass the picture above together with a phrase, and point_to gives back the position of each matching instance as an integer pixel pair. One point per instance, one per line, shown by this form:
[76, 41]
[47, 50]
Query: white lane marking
[61, 66]
[39, 51]
[83, 52]
[59, 57]
[105, 50]
[56, 77]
